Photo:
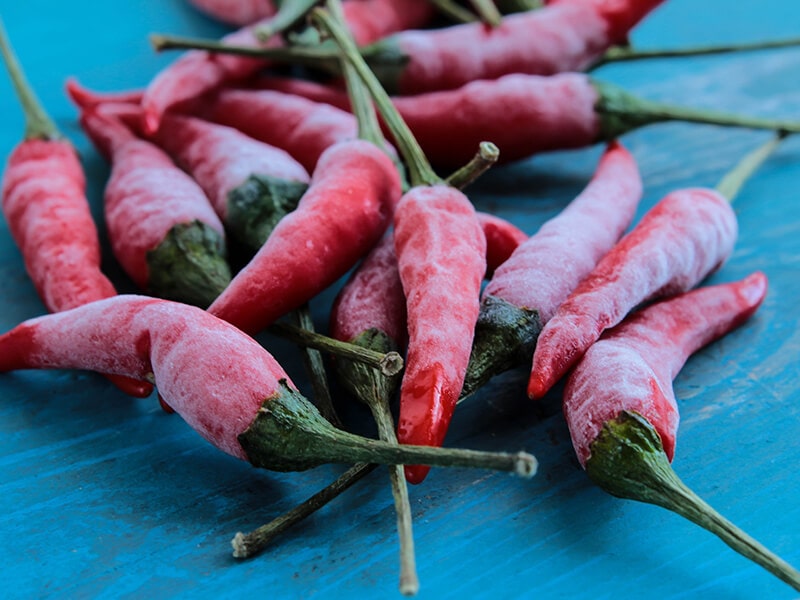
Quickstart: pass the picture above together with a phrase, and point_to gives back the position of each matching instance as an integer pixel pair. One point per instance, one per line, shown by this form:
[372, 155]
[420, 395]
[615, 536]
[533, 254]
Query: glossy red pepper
[683, 238]
[620, 405]
[224, 384]
[162, 228]
[44, 202]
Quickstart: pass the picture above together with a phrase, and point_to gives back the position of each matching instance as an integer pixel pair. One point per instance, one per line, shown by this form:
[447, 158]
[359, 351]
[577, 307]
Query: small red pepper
[162, 228]
[224, 384]
[44, 202]
[679, 241]
[541, 273]
[620, 405]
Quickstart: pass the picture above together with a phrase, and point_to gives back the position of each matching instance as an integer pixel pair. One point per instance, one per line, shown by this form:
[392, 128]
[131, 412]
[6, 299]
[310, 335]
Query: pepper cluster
[236, 197]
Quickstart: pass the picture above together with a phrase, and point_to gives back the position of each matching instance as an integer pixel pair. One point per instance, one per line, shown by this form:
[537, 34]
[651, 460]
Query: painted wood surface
[103, 496]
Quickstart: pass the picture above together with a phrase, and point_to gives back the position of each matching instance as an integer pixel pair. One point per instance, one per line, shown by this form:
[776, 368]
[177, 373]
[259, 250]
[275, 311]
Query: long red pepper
[199, 72]
[250, 184]
[441, 254]
[620, 405]
[44, 202]
[223, 383]
[236, 12]
[162, 228]
[687, 235]
[528, 288]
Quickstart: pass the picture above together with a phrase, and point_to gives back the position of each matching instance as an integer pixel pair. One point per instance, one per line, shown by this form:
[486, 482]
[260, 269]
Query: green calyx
[365, 382]
[256, 206]
[289, 434]
[189, 265]
[628, 460]
[505, 337]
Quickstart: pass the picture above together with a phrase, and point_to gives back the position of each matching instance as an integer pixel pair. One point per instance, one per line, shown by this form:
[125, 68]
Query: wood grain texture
[104, 496]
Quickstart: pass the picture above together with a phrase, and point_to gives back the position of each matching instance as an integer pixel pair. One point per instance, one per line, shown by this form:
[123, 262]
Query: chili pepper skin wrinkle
[565, 36]
[149, 200]
[346, 209]
[436, 221]
[631, 367]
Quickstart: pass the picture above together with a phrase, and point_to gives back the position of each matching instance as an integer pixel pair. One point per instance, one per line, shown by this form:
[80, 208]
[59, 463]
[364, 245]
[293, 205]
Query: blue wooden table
[104, 496]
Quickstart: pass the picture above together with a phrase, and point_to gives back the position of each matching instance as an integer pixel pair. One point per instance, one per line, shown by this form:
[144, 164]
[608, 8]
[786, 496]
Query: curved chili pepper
[686, 236]
[44, 202]
[250, 184]
[198, 72]
[541, 273]
[224, 384]
[502, 239]
[621, 411]
[162, 228]
[236, 12]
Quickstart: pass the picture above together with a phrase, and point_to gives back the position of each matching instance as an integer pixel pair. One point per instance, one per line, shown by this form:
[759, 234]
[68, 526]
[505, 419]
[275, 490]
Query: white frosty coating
[678, 242]
[221, 158]
[569, 36]
[209, 372]
[632, 366]
[147, 195]
[547, 267]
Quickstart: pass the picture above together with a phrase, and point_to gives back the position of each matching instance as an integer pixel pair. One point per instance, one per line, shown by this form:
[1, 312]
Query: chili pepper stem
[454, 11]
[38, 124]
[622, 112]
[628, 53]
[486, 156]
[730, 185]
[420, 170]
[628, 461]
[388, 363]
[289, 434]
[505, 336]
[290, 12]
[487, 11]
[247, 545]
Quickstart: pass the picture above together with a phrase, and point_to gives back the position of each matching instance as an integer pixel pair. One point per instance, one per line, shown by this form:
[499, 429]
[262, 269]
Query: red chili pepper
[199, 72]
[620, 405]
[162, 228]
[441, 255]
[679, 241]
[541, 273]
[250, 184]
[224, 384]
[236, 12]
[343, 213]
[502, 238]
[45, 205]
[303, 128]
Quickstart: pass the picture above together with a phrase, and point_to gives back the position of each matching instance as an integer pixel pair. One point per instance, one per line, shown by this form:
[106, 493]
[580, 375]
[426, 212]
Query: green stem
[247, 545]
[289, 434]
[389, 363]
[38, 124]
[454, 11]
[731, 184]
[420, 170]
[316, 368]
[487, 11]
[628, 461]
[515, 6]
[621, 112]
[290, 12]
[628, 53]
[484, 158]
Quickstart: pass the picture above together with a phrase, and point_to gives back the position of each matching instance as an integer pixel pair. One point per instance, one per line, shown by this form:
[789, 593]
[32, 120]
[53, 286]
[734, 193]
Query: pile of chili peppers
[237, 196]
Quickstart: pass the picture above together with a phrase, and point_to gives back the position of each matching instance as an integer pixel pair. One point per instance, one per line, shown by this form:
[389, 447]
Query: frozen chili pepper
[502, 239]
[250, 184]
[162, 228]
[541, 273]
[200, 71]
[686, 236]
[223, 383]
[236, 12]
[620, 405]
[441, 254]
[44, 202]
